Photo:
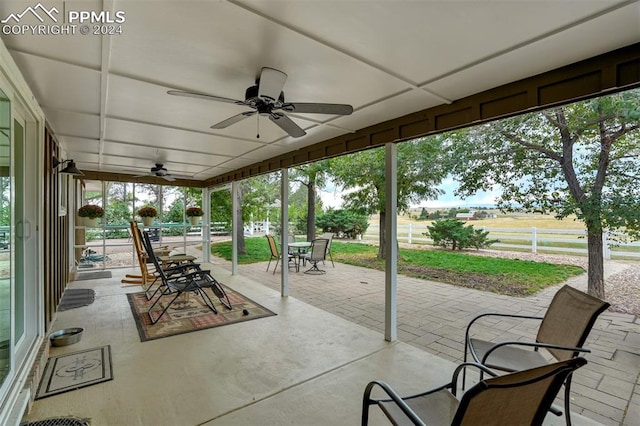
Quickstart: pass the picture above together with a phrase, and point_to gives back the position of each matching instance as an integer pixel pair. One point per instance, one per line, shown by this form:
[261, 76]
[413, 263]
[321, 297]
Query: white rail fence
[523, 239]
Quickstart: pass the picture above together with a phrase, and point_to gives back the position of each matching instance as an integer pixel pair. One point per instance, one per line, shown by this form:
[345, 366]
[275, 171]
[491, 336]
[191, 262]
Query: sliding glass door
[18, 246]
[5, 238]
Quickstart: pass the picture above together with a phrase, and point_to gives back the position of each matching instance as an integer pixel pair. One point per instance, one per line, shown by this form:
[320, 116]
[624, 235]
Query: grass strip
[504, 276]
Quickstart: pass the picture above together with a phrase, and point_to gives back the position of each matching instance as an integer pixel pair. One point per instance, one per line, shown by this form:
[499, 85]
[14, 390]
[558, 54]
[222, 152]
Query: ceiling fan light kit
[267, 98]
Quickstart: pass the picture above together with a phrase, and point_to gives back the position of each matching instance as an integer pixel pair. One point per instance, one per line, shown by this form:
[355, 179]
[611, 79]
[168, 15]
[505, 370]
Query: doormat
[95, 275]
[190, 314]
[64, 373]
[58, 421]
[76, 297]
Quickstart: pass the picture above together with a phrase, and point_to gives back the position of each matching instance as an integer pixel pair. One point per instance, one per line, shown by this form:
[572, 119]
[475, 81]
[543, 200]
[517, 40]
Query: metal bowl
[66, 336]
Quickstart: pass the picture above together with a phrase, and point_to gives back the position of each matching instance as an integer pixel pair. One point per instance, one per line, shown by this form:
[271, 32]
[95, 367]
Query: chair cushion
[434, 409]
[508, 358]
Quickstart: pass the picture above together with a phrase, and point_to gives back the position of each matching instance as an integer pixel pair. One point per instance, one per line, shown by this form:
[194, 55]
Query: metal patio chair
[329, 236]
[520, 398]
[562, 333]
[189, 280]
[276, 255]
[317, 253]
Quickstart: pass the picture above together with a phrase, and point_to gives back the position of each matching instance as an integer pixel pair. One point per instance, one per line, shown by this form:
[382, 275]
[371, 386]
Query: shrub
[147, 211]
[453, 233]
[194, 212]
[343, 223]
[91, 211]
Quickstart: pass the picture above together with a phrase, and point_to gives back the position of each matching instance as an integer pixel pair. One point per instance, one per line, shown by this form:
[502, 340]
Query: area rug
[76, 370]
[190, 314]
[94, 275]
[76, 298]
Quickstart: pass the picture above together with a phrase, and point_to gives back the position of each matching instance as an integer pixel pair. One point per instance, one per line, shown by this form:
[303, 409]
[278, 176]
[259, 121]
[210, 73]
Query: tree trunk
[381, 248]
[596, 264]
[311, 211]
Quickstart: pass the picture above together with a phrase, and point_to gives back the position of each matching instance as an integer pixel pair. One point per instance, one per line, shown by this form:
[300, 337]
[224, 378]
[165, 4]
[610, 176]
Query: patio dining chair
[520, 398]
[329, 236]
[561, 335]
[276, 255]
[317, 253]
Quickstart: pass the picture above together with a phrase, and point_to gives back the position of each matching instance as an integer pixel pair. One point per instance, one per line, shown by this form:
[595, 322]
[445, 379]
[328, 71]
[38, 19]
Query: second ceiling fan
[267, 98]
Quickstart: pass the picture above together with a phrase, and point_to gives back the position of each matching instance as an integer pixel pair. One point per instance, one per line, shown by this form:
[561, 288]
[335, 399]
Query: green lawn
[504, 276]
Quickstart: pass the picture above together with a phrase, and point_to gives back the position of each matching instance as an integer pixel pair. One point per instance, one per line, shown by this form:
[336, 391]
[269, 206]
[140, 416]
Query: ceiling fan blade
[168, 177]
[315, 108]
[233, 120]
[204, 96]
[286, 124]
[271, 83]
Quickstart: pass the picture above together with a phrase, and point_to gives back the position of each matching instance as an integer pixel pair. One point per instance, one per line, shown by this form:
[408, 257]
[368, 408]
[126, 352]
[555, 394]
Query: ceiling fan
[160, 171]
[267, 98]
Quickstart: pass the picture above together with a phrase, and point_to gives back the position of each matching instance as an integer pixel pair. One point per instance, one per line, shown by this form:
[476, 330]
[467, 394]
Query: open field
[512, 220]
[517, 232]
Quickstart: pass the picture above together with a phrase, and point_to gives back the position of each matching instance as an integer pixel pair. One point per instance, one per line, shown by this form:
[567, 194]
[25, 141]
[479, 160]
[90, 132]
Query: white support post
[606, 250]
[235, 206]
[409, 229]
[206, 225]
[391, 242]
[284, 226]
[534, 240]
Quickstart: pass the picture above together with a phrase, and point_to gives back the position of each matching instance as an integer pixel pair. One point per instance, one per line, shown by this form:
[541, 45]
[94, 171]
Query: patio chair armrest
[198, 273]
[397, 399]
[494, 314]
[180, 266]
[497, 314]
[180, 270]
[464, 366]
[532, 345]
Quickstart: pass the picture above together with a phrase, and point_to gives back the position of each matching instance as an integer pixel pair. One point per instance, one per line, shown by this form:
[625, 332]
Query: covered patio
[408, 69]
[306, 366]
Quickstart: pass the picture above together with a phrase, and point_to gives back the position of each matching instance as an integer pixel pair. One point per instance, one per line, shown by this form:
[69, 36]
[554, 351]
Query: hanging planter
[92, 222]
[147, 214]
[90, 215]
[194, 214]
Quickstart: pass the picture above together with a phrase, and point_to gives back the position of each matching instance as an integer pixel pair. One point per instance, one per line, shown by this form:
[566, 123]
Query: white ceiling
[105, 97]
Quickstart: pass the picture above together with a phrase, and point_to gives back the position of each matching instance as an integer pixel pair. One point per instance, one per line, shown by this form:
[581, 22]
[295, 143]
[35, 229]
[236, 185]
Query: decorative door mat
[76, 297]
[58, 421]
[190, 314]
[76, 370]
[94, 275]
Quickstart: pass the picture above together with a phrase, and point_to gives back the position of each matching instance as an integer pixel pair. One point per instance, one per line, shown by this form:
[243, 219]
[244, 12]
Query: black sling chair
[191, 281]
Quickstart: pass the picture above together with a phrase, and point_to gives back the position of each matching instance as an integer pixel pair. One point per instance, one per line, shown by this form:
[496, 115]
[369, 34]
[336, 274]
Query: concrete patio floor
[307, 365]
[433, 316]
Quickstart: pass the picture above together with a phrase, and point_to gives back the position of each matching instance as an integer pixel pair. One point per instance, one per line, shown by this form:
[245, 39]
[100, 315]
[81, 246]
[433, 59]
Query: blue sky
[332, 197]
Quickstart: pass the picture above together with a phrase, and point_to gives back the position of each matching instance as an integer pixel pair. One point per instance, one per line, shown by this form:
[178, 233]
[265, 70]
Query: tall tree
[256, 195]
[580, 159]
[312, 176]
[420, 169]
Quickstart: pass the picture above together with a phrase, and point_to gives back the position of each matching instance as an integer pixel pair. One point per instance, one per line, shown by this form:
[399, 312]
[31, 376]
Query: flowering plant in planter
[91, 211]
[194, 212]
[147, 211]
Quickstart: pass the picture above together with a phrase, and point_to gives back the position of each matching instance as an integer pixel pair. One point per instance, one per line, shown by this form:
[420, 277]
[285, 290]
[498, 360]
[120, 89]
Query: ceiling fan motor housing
[251, 94]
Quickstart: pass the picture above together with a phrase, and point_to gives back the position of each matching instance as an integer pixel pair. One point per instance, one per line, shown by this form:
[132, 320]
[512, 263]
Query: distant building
[467, 216]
